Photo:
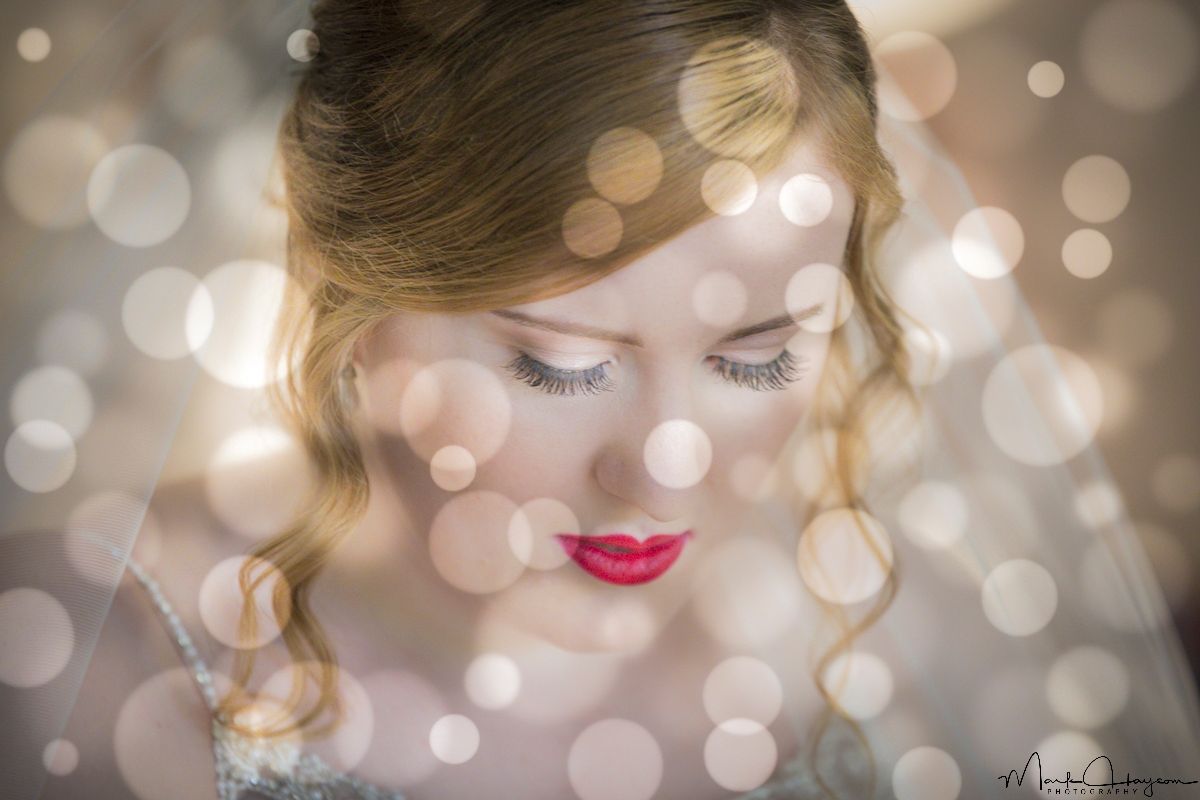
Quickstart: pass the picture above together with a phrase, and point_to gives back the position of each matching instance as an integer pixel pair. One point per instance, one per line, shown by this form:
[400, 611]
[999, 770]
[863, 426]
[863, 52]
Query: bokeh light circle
[606, 743]
[33, 44]
[155, 313]
[1087, 686]
[677, 453]
[1042, 405]
[1019, 597]
[46, 170]
[454, 739]
[60, 757]
[1045, 79]
[624, 165]
[40, 456]
[592, 228]
[469, 544]
[230, 325]
[860, 683]
[742, 687]
[806, 200]
[926, 773]
[988, 242]
[138, 195]
[840, 555]
[38, 638]
[1139, 55]
[729, 187]
[933, 514]
[55, 394]
[919, 75]
[740, 755]
[1087, 253]
[1096, 188]
[492, 681]
[821, 283]
[221, 602]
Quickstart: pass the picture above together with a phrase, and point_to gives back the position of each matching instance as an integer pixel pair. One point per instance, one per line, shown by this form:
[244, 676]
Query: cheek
[549, 450]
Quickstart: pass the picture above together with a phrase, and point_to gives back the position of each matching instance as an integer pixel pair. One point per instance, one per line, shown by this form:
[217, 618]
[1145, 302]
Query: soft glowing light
[624, 165]
[221, 602]
[729, 187]
[820, 283]
[46, 170]
[1139, 55]
[860, 683]
[469, 545]
[1019, 597]
[1096, 188]
[988, 242]
[743, 687]
[40, 456]
[38, 638]
[806, 200]
[845, 555]
[615, 741]
[493, 681]
[1042, 404]
[740, 755]
[1087, 253]
[592, 228]
[302, 44]
[155, 313]
[452, 468]
[454, 739]
[56, 394]
[1087, 687]
[1046, 79]
[926, 773]
[934, 514]
[919, 75]
[60, 757]
[230, 325]
[33, 44]
[139, 195]
[677, 453]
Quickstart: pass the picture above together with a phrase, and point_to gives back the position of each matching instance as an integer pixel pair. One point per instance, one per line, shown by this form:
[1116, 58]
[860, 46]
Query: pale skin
[585, 451]
[400, 599]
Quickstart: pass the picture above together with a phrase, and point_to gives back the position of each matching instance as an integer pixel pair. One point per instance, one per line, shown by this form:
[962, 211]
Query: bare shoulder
[140, 723]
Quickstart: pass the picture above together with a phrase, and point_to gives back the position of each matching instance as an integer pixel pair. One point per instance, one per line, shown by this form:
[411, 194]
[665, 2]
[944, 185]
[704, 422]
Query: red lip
[621, 559]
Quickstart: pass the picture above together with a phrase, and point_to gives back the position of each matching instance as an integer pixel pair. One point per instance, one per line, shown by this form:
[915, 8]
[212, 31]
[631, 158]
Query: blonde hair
[431, 151]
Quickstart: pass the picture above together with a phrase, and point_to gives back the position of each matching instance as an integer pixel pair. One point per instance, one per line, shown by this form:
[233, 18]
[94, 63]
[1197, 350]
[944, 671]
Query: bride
[605, 398]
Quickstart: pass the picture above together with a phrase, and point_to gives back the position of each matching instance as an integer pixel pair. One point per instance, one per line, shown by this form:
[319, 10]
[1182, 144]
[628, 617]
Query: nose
[621, 471]
[652, 461]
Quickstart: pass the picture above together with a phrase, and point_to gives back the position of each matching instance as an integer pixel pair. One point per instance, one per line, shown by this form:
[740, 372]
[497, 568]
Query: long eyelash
[773, 375]
[559, 381]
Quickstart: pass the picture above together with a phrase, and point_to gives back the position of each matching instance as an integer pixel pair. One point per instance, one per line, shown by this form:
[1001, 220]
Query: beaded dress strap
[179, 635]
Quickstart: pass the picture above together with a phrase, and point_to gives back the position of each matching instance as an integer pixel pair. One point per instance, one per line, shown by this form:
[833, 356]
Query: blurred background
[1075, 124]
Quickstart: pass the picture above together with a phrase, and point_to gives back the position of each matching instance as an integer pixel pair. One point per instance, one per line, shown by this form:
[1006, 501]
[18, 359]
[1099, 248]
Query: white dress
[256, 769]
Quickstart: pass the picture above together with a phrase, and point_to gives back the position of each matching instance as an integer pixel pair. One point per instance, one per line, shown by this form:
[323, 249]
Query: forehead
[800, 214]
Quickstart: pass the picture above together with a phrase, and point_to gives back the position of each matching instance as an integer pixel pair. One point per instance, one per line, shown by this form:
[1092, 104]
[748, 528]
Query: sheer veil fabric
[1026, 618]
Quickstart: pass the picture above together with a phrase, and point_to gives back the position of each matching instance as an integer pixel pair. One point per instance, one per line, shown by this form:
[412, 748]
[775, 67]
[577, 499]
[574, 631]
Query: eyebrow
[591, 332]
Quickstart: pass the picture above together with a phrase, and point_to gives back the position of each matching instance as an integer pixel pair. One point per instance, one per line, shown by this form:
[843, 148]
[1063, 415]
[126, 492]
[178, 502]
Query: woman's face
[642, 404]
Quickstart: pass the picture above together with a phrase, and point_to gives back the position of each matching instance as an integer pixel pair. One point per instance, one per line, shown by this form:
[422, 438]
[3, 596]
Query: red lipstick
[619, 558]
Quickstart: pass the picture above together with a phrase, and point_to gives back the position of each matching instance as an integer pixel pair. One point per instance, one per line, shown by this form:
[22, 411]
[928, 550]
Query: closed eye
[777, 374]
